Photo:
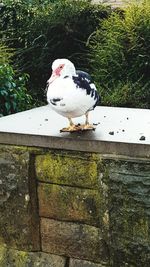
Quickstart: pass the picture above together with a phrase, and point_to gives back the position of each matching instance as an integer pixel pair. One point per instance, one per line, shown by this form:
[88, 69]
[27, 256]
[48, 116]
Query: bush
[13, 93]
[45, 30]
[128, 94]
[120, 57]
[5, 54]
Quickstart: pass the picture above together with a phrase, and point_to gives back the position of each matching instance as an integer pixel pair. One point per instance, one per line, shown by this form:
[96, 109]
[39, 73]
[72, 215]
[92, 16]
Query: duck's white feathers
[74, 101]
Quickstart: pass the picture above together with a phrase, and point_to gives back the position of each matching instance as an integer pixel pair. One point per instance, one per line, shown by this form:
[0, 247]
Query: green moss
[16, 258]
[13, 258]
[19, 149]
[19, 258]
[68, 168]
[129, 212]
[18, 216]
[2, 255]
[70, 204]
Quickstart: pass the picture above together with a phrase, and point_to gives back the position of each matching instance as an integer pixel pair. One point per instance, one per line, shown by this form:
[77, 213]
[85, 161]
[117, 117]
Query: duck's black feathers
[84, 75]
[54, 101]
[84, 81]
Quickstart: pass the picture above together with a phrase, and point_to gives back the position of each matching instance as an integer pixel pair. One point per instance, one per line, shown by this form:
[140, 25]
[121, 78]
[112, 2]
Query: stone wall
[116, 3]
[73, 209]
[110, 2]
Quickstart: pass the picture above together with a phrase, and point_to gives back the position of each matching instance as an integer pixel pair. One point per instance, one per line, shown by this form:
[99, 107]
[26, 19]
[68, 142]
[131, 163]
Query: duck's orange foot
[71, 129]
[87, 127]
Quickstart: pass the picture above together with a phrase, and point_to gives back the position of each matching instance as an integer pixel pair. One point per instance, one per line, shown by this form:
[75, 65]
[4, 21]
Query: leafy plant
[42, 31]
[5, 54]
[13, 92]
[128, 94]
[120, 57]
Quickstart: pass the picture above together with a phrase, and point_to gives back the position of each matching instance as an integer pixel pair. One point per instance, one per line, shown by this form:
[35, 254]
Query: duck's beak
[53, 77]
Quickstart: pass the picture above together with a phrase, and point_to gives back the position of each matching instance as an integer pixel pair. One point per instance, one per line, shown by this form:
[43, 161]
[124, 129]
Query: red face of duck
[56, 73]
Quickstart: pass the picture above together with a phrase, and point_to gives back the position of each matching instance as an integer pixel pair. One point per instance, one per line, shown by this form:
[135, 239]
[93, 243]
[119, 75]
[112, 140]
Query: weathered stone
[129, 206]
[75, 169]
[19, 223]
[15, 258]
[82, 263]
[73, 240]
[69, 203]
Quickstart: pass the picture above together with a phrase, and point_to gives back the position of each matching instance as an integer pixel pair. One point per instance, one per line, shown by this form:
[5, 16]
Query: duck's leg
[87, 125]
[72, 127]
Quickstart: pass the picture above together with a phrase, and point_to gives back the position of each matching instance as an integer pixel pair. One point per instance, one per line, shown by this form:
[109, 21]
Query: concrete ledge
[119, 131]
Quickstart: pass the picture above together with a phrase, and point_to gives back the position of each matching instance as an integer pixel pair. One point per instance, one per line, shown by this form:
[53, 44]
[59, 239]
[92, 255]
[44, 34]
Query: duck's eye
[61, 66]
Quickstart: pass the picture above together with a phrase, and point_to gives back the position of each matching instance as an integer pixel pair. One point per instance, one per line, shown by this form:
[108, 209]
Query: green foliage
[5, 54]
[120, 57]
[13, 93]
[42, 31]
[128, 94]
[118, 43]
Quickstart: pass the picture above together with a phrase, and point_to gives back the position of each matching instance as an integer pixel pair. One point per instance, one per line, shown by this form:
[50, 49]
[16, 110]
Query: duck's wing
[84, 81]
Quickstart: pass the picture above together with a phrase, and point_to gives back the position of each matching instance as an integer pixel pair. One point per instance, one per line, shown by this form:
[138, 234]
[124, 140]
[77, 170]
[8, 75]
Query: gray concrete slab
[116, 126]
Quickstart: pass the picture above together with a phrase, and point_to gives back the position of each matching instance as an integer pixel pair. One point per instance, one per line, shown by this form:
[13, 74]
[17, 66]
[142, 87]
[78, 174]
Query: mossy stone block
[75, 169]
[129, 212]
[83, 263]
[73, 240]
[69, 203]
[15, 258]
[19, 223]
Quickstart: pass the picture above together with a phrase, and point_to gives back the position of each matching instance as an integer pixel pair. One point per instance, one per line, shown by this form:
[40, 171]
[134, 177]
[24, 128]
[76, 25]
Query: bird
[71, 93]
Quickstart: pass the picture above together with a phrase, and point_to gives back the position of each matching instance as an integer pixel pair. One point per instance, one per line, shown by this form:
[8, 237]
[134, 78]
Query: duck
[71, 93]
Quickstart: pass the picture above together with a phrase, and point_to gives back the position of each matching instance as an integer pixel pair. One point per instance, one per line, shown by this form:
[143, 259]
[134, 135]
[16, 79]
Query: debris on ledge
[41, 127]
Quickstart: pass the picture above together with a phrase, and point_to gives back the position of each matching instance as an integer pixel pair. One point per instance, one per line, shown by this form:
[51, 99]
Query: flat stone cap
[121, 131]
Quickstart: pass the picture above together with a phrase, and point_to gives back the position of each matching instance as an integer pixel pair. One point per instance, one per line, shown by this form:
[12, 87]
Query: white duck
[71, 93]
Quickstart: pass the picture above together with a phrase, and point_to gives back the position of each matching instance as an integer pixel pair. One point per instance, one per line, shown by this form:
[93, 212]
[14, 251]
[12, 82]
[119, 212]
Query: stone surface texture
[45, 122]
[69, 203]
[19, 222]
[40, 127]
[73, 240]
[91, 208]
[129, 212]
[113, 3]
[74, 169]
[82, 263]
[15, 258]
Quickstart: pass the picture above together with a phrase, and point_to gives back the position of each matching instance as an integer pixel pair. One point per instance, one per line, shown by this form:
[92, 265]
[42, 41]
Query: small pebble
[142, 138]
[127, 118]
[111, 133]
[123, 130]
[96, 123]
[46, 119]
[27, 197]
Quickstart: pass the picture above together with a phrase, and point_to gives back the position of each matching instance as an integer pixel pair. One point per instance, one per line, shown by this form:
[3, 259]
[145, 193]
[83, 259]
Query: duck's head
[62, 68]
